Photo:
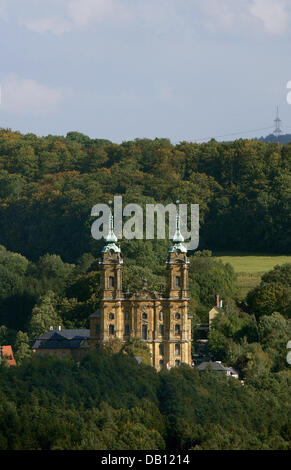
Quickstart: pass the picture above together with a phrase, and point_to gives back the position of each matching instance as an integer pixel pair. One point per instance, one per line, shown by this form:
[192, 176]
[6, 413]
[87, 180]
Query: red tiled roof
[6, 351]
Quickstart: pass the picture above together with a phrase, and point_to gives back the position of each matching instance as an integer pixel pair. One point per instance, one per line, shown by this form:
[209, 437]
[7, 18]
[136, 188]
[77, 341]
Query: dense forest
[48, 186]
[110, 402]
[49, 275]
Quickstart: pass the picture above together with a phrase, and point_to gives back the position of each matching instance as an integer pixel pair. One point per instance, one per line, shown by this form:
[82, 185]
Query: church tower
[107, 323]
[111, 262]
[177, 264]
[178, 321]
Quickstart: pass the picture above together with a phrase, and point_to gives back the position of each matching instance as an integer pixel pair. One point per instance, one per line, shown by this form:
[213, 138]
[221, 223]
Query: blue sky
[122, 69]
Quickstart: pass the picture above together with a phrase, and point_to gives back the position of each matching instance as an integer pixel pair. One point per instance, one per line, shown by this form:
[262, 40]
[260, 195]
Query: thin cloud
[62, 16]
[273, 14]
[241, 15]
[27, 97]
[85, 12]
[52, 25]
[77, 15]
[222, 12]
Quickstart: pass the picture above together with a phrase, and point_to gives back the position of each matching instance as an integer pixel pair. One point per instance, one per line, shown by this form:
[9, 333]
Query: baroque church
[164, 323]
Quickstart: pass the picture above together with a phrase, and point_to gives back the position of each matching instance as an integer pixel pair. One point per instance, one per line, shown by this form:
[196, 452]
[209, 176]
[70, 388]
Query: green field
[250, 268]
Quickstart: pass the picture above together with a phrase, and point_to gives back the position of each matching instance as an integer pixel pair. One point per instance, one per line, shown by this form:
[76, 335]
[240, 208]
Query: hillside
[113, 403]
[50, 275]
[282, 139]
[48, 186]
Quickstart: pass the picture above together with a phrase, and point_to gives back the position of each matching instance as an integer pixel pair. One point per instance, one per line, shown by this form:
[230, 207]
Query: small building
[215, 366]
[63, 343]
[215, 310]
[218, 367]
[6, 353]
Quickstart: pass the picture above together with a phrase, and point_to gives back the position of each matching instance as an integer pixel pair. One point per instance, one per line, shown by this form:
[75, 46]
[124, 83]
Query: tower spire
[178, 238]
[111, 238]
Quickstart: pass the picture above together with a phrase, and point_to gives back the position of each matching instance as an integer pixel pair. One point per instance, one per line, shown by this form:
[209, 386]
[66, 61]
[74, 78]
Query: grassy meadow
[250, 268]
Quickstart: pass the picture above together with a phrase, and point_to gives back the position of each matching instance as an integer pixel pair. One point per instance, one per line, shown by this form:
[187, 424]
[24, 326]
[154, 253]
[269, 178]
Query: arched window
[178, 281]
[177, 362]
[161, 330]
[177, 349]
[161, 316]
[177, 316]
[177, 329]
[111, 329]
[111, 316]
[144, 316]
[126, 330]
[111, 282]
[161, 349]
[144, 332]
[161, 363]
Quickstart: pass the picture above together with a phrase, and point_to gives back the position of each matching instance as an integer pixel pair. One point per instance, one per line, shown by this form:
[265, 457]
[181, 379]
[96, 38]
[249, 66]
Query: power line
[276, 132]
[236, 133]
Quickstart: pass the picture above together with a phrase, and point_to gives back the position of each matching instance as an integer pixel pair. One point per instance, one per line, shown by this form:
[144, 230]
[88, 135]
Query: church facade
[163, 322]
